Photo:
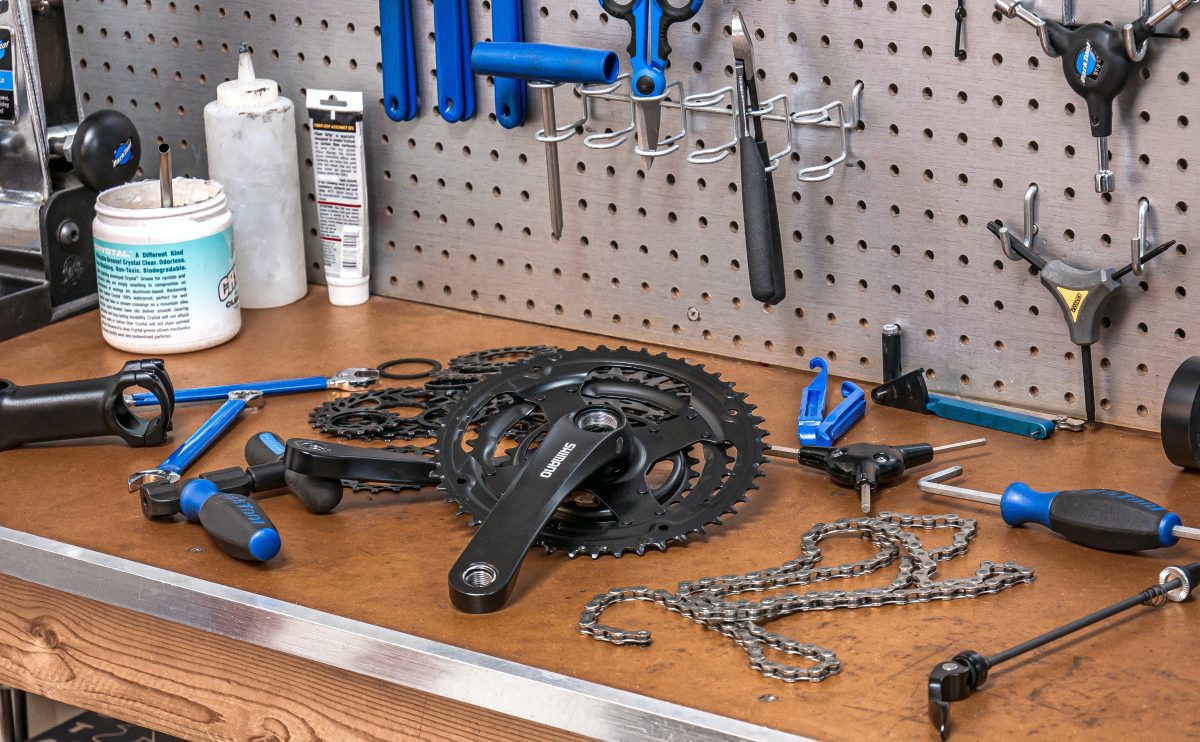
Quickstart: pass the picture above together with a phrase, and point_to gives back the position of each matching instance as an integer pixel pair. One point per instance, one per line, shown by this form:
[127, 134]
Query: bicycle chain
[702, 601]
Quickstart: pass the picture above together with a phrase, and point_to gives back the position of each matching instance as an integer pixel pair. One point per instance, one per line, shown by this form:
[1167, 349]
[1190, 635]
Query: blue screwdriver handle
[452, 52]
[198, 442]
[237, 524]
[511, 99]
[213, 393]
[1105, 519]
[401, 100]
[1006, 421]
[648, 46]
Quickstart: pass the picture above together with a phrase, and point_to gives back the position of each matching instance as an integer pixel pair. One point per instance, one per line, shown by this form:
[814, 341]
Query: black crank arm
[339, 461]
[575, 448]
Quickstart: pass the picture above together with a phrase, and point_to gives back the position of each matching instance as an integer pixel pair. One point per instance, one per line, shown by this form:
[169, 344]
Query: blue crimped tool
[814, 427]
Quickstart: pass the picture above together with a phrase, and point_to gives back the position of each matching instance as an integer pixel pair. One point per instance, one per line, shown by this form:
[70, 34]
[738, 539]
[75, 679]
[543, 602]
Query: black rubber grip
[1109, 520]
[264, 448]
[764, 251]
[233, 522]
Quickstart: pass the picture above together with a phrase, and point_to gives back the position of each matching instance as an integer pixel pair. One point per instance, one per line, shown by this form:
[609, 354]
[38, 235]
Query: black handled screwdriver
[1110, 520]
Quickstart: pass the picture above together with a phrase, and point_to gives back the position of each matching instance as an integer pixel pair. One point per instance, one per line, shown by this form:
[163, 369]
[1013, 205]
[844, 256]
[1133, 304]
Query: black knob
[106, 150]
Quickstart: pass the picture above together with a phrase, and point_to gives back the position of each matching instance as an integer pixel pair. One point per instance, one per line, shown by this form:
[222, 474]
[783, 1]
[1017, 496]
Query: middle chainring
[702, 445]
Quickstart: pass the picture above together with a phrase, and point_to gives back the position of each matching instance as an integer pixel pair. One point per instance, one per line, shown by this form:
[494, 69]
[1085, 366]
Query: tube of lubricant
[336, 123]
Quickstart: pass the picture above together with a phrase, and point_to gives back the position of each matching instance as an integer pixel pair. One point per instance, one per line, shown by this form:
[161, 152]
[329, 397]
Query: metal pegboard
[459, 213]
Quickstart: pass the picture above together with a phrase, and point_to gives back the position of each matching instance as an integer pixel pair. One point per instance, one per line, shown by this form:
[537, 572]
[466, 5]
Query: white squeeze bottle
[250, 131]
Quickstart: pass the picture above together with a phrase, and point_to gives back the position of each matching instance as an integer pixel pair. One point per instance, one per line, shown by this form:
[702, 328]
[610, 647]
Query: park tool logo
[123, 153]
[1088, 65]
[1074, 301]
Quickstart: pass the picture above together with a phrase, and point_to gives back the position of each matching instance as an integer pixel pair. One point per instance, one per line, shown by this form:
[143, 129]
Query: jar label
[174, 293]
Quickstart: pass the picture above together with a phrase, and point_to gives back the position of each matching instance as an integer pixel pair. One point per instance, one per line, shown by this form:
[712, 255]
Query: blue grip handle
[1021, 504]
[508, 26]
[236, 523]
[213, 393]
[545, 62]
[1006, 421]
[197, 443]
[452, 51]
[648, 49]
[400, 97]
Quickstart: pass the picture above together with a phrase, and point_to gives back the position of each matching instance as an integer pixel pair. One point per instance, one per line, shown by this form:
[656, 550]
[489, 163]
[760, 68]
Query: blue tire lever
[814, 427]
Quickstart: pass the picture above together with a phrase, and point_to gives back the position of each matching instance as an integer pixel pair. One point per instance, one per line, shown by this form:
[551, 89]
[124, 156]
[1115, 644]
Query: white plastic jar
[166, 276]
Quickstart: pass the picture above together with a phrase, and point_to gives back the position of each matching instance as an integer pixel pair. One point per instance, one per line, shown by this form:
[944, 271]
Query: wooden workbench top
[383, 559]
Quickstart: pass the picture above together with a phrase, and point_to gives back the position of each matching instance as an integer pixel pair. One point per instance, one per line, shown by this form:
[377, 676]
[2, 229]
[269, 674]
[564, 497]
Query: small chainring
[489, 435]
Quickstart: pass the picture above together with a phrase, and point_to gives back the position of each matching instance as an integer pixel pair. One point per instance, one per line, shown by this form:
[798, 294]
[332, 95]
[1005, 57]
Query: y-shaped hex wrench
[197, 443]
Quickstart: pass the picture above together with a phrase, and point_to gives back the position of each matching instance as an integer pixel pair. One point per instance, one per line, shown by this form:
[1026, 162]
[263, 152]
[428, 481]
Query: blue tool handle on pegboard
[511, 96]
[452, 50]
[545, 62]
[401, 100]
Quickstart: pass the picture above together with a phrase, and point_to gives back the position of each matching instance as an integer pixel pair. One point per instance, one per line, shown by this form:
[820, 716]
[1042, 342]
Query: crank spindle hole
[479, 574]
[598, 420]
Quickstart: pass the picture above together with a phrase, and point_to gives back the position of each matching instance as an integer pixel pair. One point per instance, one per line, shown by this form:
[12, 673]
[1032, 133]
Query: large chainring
[491, 432]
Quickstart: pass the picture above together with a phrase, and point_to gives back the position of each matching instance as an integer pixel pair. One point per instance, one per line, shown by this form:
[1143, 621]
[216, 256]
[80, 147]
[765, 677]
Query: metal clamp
[713, 102]
[1031, 226]
[561, 133]
[1137, 246]
[824, 116]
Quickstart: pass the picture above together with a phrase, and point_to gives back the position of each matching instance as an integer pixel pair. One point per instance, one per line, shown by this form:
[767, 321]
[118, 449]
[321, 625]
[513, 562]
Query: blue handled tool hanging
[452, 51]
[814, 427]
[401, 100]
[511, 97]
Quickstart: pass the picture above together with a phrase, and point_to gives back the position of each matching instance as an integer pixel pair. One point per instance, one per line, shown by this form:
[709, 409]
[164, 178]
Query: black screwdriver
[867, 467]
[956, 679]
[1082, 296]
[1105, 519]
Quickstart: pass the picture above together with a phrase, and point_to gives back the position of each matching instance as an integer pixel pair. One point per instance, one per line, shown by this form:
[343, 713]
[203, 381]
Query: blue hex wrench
[452, 52]
[400, 97]
[814, 427]
[197, 443]
[648, 50]
[346, 380]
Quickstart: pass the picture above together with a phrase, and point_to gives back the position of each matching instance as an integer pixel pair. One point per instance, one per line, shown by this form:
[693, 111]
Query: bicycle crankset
[591, 452]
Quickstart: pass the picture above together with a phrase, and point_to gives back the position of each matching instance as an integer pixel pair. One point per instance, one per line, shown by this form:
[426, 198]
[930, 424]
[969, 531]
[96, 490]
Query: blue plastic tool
[814, 427]
[452, 52]
[1006, 421]
[198, 442]
[346, 380]
[1100, 518]
[545, 62]
[237, 524]
[508, 26]
[648, 50]
[401, 100]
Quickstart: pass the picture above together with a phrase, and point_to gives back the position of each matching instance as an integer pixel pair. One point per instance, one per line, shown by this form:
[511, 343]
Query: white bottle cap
[349, 296]
[247, 91]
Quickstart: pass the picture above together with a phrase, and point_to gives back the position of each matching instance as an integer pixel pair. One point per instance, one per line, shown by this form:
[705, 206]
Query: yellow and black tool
[1081, 295]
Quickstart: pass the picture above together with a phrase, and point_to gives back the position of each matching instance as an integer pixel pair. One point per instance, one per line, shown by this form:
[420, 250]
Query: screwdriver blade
[864, 496]
[1185, 532]
[553, 178]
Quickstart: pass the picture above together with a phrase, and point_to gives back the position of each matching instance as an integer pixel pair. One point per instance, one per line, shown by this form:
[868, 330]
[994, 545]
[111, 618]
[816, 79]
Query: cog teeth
[549, 549]
[474, 522]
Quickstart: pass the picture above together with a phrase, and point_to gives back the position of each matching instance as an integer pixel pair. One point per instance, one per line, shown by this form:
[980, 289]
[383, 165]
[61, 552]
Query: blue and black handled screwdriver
[1105, 519]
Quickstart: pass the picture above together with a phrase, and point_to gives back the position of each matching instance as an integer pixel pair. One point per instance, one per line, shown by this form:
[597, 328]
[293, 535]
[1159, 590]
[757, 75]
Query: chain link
[704, 600]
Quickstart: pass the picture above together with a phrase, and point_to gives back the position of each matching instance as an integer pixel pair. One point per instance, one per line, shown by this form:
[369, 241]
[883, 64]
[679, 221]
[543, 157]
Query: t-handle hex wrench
[546, 66]
[198, 442]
